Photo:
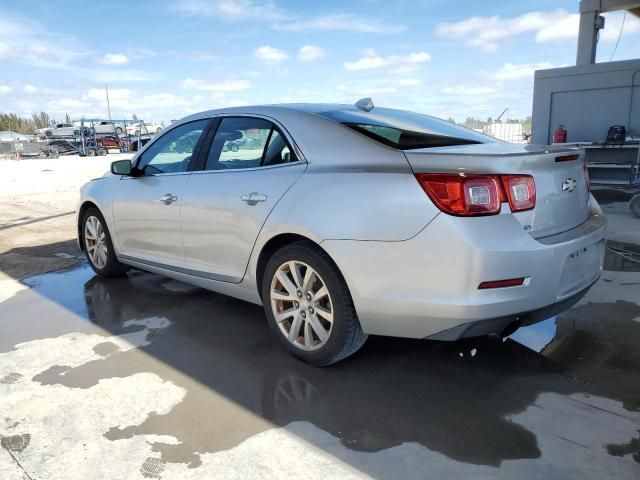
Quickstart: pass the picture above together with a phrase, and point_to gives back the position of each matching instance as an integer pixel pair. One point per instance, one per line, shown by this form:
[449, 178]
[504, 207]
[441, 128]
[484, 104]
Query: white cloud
[373, 90]
[372, 60]
[270, 54]
[227, 86]
[341, 21]
[410, 82]
[5, 89]
[468, 90]
[115, 94]
[114, 59]
[567, 28]
[5, 50]
[512, 71]
[68, 105]
[29, 89]
[487, 33]
[25, 41]
[230, 9]
[309, 53]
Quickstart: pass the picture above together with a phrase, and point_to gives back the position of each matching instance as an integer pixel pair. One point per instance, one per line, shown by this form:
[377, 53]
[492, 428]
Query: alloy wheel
[95, 241]
[301, 305]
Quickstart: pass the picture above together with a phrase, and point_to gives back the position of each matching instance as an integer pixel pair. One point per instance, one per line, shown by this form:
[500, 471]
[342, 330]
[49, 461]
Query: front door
[250, 165]
[146, 208]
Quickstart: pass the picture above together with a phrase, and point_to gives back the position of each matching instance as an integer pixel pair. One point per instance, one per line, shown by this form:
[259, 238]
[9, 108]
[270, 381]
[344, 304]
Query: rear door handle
[253, 198]
[168, 198]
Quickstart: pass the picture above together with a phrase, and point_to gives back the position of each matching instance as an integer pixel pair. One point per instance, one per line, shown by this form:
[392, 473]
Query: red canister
[560, 135]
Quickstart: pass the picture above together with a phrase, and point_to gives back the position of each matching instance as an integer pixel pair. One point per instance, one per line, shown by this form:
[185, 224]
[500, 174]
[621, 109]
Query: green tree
[41, 120]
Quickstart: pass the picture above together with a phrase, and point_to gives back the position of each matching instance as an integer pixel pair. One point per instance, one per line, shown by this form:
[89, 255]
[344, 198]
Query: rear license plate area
[580, 269]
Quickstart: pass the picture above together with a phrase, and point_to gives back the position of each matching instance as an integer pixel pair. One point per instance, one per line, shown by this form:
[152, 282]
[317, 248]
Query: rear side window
[406, 130]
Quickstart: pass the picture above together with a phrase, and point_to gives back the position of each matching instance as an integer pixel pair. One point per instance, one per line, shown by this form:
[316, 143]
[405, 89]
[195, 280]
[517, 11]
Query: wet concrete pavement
[145, 377]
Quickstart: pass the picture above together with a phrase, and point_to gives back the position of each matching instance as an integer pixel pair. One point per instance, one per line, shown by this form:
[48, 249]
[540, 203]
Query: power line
[619, 35]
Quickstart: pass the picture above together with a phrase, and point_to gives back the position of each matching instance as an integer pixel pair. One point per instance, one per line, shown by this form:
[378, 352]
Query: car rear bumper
[427, 286]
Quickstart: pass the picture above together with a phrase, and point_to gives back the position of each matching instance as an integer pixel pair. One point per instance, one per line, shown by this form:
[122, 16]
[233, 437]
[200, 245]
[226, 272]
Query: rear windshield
[406, 130]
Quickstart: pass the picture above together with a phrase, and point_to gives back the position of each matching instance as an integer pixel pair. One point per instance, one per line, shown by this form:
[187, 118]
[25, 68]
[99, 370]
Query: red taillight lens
[520, 191]
[461, 194]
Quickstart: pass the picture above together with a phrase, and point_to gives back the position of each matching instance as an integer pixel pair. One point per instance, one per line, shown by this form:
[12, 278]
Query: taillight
[467, 195]
[461, 194]
[520, 190]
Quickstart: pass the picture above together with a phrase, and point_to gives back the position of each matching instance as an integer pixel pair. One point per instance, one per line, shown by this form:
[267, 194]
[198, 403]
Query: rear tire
[307, 332]
[634, 205]
[98, 247]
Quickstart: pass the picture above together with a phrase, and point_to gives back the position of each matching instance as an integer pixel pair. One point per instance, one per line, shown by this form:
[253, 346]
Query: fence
[507, 132]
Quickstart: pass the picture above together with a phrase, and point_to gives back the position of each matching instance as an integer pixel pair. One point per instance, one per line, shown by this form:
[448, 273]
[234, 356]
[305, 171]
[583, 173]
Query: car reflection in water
[454, 398]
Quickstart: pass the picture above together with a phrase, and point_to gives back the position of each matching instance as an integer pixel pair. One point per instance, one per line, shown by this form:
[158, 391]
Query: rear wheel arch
[276, 243]
[83, 208]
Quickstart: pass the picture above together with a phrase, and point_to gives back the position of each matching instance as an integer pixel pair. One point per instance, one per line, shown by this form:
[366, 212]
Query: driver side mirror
[121, 167]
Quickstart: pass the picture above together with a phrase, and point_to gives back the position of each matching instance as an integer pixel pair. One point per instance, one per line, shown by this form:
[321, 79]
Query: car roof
[271, 109]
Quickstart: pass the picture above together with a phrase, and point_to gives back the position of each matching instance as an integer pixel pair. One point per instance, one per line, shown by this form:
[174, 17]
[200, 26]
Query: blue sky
[165, 59]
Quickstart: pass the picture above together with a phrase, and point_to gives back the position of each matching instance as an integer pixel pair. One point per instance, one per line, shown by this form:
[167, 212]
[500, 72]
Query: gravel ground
[37, 208]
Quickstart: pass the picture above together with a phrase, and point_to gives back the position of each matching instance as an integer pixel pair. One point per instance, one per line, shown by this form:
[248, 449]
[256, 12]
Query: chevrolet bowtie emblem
[569, 185]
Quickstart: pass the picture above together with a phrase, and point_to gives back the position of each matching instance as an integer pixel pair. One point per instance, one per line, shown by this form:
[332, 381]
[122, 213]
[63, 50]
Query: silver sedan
[348, 221]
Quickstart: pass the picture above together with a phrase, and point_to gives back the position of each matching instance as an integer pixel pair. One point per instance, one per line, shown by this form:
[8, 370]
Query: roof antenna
[365, 104]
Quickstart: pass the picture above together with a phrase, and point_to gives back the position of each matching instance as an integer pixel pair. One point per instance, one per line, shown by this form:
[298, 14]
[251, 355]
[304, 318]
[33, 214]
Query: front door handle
[253, 198]
[168, 198]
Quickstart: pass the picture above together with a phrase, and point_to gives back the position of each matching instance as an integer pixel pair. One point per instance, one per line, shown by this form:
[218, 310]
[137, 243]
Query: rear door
[146, 208]
[249, 167]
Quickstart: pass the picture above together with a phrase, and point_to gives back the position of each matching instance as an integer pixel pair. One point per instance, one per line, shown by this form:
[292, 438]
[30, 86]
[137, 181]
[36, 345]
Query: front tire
[308, 305]
[98, 246]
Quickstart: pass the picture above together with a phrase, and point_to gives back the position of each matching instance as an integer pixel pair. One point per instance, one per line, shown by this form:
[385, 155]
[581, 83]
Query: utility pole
[106, 90]
[500, 116]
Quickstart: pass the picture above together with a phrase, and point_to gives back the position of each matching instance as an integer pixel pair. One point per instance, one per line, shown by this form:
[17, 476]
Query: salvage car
[146, 129]
[107, 128]
[351, 220]
[61, 130]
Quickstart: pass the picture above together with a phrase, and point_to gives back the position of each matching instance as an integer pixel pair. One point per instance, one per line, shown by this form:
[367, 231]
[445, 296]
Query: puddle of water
[622, 257]
[536, 336]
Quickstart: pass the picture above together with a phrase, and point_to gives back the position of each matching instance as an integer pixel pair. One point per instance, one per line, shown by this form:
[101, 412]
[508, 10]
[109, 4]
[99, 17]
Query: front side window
[244, 142]
[172, 152]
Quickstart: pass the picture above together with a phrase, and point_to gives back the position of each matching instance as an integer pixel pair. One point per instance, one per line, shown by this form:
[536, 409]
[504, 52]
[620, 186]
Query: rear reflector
[461, 194]
[567, 158]
[512, 282]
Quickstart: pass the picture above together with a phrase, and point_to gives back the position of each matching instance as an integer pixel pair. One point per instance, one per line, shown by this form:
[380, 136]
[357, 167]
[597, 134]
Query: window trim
[213, 129]
[194, 156]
